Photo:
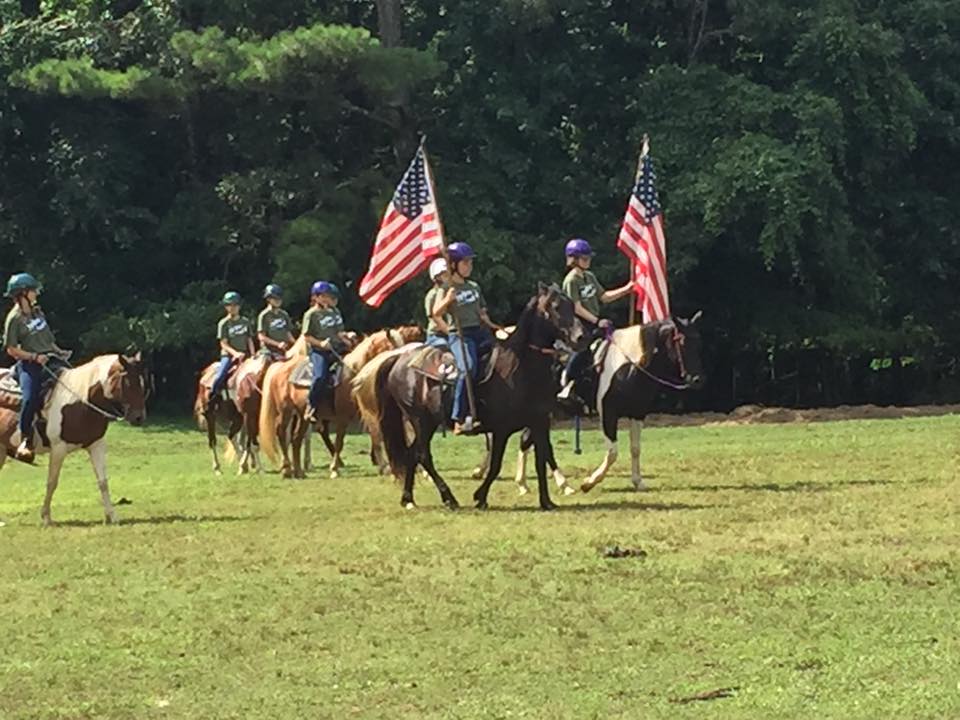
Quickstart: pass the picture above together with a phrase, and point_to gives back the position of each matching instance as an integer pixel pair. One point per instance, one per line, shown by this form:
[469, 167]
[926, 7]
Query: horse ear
[541, 288]
[666, 330]
[696, 316]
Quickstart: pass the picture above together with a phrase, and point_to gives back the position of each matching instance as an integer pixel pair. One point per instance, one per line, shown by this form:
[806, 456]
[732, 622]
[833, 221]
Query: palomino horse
[638, 362]
[226, 412]
[407, 396]
[80, 406]
[284, 404]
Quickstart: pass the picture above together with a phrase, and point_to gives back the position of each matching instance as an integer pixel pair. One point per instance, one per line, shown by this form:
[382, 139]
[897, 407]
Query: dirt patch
[758, 414]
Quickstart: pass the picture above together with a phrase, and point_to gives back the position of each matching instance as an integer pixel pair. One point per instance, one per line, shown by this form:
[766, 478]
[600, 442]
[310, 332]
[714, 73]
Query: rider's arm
[225, 347]
[251, 348]
[585, 314]
[609, 296]
[17, 354]
[438, 314]
[445, 302]
[485, 319]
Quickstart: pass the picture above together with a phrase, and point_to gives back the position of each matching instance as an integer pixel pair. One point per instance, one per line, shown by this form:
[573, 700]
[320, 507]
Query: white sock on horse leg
[635, 476]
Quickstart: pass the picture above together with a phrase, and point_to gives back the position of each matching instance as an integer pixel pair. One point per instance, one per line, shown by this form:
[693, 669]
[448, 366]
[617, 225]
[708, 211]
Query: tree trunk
[388, 22]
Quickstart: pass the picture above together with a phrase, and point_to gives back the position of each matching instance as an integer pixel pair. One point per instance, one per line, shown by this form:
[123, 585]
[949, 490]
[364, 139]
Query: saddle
[501, 361]
[302, 375]
[210, 373]
[435, 365]
[10, 382]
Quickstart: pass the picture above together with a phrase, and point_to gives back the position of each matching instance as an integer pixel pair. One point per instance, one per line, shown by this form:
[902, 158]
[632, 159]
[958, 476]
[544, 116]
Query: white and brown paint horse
[629, 382]
[77, 411]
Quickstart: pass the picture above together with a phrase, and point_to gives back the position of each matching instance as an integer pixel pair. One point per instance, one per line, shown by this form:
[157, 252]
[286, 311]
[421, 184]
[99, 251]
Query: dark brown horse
[407, 392]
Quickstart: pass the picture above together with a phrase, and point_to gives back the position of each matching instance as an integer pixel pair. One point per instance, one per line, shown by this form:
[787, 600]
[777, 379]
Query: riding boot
[25, 451]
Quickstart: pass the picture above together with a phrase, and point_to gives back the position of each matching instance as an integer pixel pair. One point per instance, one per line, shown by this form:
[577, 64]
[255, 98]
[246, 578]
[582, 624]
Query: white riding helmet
[436, 267]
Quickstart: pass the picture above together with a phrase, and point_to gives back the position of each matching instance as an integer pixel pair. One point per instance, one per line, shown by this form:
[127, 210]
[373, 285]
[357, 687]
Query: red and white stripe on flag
[409, 236]
[642, 241]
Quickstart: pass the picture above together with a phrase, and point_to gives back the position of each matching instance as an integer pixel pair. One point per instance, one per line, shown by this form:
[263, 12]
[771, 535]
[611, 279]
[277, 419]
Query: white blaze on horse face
[635, 427]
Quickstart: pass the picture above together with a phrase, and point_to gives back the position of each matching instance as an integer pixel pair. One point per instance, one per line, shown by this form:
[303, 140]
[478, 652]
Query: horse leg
[496, 462]
[284, 430]
[57, 454]
[98, 458]
[426, 459]
[558, 477]
[307, 451]
[335, 462]
[299, 430]
[211, 417]
[521, 476]
[541, 448]
[609, 423]
[635, 427]
[480, 471]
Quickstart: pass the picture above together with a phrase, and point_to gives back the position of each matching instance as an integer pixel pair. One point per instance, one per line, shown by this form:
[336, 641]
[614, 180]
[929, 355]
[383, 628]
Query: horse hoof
[640, 486]
[477, 473]
[548, 506]
[569, 490]
[523, 490]
[334, 474]
[451, 504]
[482, 505]
[111, 520]
[218, 472]
[410, 505]
[586, 487]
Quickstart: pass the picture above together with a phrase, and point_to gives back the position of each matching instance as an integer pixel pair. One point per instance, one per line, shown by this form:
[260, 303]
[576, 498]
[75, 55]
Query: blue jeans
[437, 340]
[476, 340]
[223, 372]
[320, 360]
[30, 375]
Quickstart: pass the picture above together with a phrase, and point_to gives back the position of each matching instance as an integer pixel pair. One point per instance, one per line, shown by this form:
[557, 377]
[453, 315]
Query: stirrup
[25, 453]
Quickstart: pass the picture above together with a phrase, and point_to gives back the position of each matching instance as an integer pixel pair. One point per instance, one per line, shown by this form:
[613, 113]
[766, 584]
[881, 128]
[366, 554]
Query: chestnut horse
[77, 411]
[284, 404]
[226, 412]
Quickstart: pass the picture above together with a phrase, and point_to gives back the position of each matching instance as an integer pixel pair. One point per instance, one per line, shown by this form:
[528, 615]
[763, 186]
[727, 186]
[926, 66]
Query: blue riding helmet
[322, 287]
[578, 247]
[20, 282]
[460, 251]
[273, 291]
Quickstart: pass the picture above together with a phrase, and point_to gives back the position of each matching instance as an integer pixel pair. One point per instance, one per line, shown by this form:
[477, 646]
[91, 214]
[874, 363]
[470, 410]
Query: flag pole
[471, 402]
[644, 151]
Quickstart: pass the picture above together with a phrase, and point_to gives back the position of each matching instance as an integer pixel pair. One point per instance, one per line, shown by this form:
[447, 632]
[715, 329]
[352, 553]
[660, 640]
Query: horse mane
[519, 338]
[298, 348]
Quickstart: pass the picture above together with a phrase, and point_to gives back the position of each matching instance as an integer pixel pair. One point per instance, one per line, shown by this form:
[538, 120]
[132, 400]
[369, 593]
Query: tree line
[155, 153]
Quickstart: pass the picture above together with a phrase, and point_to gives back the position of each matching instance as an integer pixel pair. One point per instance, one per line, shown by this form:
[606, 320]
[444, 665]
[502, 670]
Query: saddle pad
[251, 368]
[9, 384]
[302, 375]
[210, 374]
[434, 362]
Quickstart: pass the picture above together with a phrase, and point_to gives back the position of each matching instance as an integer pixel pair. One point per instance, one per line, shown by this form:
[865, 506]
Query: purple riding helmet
[459, 251]
[578, 247]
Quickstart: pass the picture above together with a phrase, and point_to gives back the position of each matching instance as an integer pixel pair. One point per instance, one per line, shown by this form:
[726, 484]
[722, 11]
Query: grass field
[810, 569]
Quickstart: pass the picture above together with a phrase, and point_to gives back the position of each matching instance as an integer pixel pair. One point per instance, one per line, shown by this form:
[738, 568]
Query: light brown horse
[282, 428]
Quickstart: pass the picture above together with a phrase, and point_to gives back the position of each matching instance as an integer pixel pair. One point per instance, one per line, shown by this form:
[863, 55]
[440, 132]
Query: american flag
[641, 240]
[409, 236]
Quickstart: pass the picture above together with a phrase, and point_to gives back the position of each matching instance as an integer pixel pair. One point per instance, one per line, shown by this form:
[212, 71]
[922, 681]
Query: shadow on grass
[161, 520]
[797, 487]
[602, 507]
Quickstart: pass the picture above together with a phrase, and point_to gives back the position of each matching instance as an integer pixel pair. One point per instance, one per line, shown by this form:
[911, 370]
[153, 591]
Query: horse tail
[269, 414]
[391, 427]
[199, 403]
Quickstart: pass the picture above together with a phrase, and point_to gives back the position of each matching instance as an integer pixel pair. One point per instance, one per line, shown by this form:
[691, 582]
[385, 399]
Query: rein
[681, 366]
[83, 400]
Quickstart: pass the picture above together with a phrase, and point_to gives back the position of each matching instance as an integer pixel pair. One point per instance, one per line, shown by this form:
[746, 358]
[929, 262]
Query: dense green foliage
[154, 153]
[813, 568]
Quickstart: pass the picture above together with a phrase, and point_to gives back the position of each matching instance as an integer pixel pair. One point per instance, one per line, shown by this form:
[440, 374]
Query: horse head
[558, 309]
[127, 387]
[682, 340]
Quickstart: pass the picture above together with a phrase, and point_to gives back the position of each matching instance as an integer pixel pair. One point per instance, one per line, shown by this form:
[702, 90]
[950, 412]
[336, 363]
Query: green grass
[811, 567]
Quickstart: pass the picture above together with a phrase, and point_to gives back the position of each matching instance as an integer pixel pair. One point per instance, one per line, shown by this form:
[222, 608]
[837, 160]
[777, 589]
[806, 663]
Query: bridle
[678, 339]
